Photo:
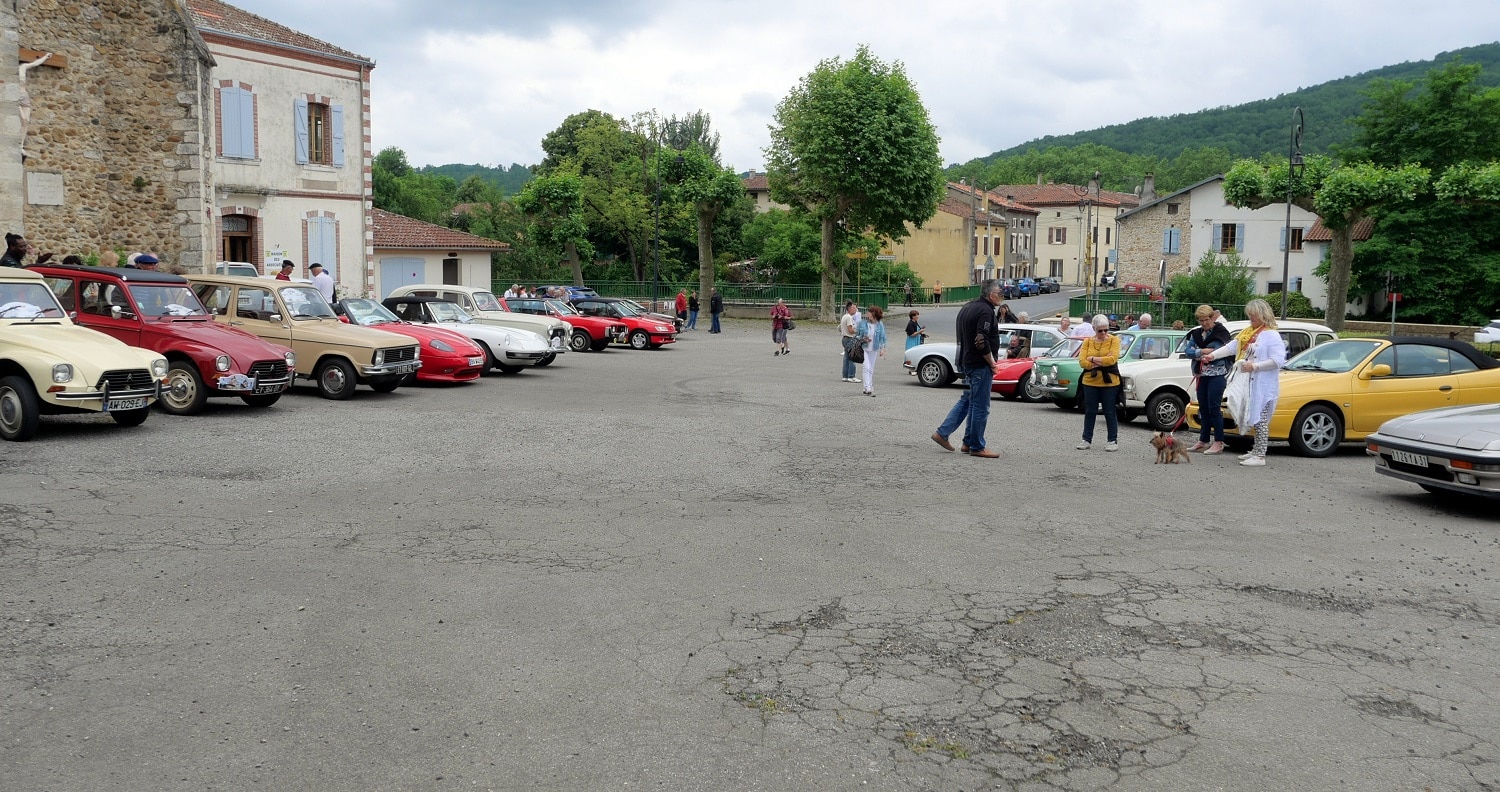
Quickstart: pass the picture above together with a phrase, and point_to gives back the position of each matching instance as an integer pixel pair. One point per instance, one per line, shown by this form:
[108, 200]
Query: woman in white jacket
[1260, 352]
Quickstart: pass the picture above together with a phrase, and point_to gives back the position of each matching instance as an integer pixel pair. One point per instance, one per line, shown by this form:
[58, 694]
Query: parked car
[589, 332]
[1162, 388]
[1015, 379]
[1049, 285]
[1010, 289]
[236, 268]
[568, 292]
[1060, 377]
[935, 363]
[1489, 334]
[1449, 449]
[645, 330]
[1109, 278]
[336, 356]
[657, 315]
[1342, 391]
[505, 348]
[1139, 289]
[484, 307]
[49, 365]
[159, 311]
[1028, 287]
[447, 356]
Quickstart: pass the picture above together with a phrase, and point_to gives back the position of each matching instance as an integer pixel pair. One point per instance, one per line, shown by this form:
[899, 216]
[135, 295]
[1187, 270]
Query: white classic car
[934, 362]
[483, 307]
[1450, 449]
[1163, 388]
[510, 350]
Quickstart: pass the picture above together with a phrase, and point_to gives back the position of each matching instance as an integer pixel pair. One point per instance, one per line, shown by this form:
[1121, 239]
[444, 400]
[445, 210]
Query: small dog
[1168, 450]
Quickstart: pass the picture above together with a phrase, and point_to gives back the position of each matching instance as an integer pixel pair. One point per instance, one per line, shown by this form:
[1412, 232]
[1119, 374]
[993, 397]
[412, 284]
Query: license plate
[124, 404]
[1415, 460]
[262, 389]
[476, 361]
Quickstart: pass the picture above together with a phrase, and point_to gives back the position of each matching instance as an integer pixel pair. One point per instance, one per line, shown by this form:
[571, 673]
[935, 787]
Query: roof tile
[398, 232]
[221, 17]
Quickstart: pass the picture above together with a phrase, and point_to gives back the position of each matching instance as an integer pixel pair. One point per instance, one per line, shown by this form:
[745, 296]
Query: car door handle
[1445, 388]
[236, 324]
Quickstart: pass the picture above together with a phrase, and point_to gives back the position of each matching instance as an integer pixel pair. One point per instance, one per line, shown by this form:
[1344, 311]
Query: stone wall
[11, 216]
[1139, 242]
[122, 125]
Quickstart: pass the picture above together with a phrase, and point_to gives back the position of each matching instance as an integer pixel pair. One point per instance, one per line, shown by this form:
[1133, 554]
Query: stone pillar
[12, 175]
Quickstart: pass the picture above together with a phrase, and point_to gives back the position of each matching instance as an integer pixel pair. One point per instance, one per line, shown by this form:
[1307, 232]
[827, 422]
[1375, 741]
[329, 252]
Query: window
[1296, 238]
[236, 123]
[1172, 208]
[62, 289]
[319, 131]
[1171, 240]
[1229, 237]
[237, 238]
[255, 304]
[215, 298]
[1054, 268]
[1057, 236]
[1273, 287]
[1296, 342]
[323, 244]
[1106, 235]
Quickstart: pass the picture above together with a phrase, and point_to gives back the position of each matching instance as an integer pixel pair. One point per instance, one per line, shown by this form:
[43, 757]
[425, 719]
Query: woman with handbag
[1210, 378]
[781, 321]
[1261, 355]
[872, 340]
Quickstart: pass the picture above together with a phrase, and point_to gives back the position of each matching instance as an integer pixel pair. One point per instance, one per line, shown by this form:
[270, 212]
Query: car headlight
[663, 329]
[1129, 387]
[440, 344]
[291, 359]
[62, 372]
[159, 368]
[380, 357]
[221, 363]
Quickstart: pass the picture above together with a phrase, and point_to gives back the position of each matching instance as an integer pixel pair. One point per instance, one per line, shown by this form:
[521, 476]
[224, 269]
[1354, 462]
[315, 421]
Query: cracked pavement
[705, 567]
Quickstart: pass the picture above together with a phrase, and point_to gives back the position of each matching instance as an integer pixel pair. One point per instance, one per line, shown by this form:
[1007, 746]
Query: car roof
[413, 300]
[1479, 359]
[445, 287]
[123, 273]
[1289, 324]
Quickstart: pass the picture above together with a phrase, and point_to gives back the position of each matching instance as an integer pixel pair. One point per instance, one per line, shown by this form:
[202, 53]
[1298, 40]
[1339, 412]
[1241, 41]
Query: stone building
[116, 155]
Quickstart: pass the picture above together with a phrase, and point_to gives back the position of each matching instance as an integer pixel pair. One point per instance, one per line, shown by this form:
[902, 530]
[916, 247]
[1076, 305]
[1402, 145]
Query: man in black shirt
[715, 307]
[978, 343]
[15, 251]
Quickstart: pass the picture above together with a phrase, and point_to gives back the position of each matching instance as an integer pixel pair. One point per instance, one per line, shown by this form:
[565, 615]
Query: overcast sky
[481, 81]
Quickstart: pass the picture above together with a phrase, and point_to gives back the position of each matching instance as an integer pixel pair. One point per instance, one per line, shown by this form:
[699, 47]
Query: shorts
[779, 335]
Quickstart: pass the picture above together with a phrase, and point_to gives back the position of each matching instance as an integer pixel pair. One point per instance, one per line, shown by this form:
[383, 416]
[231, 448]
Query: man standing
[849, 337]
[715, 307]
[146, 261]
[978, 340]
[1083, 330]
[692, 323]
[937, 292]
[287, 265]
[15, 251]
[322, 281]
[681, 306]
[1143, 323]
[906, 290]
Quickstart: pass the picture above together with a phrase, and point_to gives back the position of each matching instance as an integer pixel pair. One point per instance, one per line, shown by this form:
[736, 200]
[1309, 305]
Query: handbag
[790, 325]
[1237, 397]
[857, 353]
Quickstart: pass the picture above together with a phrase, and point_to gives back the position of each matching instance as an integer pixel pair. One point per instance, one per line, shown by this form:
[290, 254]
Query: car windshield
[1334, 357]
[27, 301]
[1065, 348]
[562, 308]
[1126, 340]
[486, 301]
[369, 313]
[305, 302]
[628, 308]
[450, 312]
[166, 300]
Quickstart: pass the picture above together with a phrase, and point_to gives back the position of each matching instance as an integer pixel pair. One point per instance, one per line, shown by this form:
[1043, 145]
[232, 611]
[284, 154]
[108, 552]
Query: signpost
[858, 257]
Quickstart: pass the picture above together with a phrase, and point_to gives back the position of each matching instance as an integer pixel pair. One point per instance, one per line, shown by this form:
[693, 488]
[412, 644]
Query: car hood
[208, 334]
[332, 331]
[536, 324]
[500, 336]
[91, 352]
[461, 344]
[1473, 427]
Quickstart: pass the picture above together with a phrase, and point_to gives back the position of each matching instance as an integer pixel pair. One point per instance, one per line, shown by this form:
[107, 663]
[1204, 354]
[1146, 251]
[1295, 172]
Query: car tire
[20, 412]
[546, 361]
[335, 379]
[1164, 410]
[639, 340]
[184, 392]
[386, 386]
[1065, 402]
[263, 400]
[580, 341]
[934, 372]
[600, 345]
[1316, 431]
[489, 357]
[1029, 389]
[130, 417]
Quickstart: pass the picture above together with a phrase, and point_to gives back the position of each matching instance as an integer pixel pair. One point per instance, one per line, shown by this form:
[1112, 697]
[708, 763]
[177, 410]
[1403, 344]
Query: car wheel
[183, 393]
[335, 378]
[386, 386]
[130, 417]
[639, 340]
[1164, 410]
[546, 361]
[263, 400]
[1030, 390]
[20, 414]
[600, 345]
[1065, 402]
[1317, 431]
[489, 357]
[934, 372]
[580, 341]
[506, 368]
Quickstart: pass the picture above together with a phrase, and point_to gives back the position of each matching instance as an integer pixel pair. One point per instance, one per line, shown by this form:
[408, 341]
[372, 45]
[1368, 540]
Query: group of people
[18, 251]
[688, 305]
[864, 332]
[907, 291]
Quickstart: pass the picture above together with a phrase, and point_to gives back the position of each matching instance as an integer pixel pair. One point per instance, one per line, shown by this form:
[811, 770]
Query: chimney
[1148, 190]
[1039, 178]
[1094, 185]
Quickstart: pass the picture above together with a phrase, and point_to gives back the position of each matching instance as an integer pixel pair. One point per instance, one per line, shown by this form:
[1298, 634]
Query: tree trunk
[1340, 263]
[705, 251]
[571, 251]
[826, 311]
[635, 261]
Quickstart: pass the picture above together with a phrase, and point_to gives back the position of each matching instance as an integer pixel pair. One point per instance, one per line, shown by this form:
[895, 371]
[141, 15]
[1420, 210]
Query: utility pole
[973, 225]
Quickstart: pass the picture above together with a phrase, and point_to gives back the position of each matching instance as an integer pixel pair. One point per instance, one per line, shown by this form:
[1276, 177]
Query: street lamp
[1294, 170]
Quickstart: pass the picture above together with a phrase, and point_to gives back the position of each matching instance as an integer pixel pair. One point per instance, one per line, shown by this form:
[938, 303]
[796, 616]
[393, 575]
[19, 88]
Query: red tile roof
[213, 16]
[398, 232]
[996, 199]
[1061, 195]
[1363, 230]
[758, 181]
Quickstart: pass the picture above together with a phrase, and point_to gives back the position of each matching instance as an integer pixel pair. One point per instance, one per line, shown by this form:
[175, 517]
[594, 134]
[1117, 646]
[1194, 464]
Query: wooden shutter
[229, 123]
[1239, 236]
[299, 120]
[336, 114]
[1176, 240]
[1218, 243]
[322, 244]
[1166, 240]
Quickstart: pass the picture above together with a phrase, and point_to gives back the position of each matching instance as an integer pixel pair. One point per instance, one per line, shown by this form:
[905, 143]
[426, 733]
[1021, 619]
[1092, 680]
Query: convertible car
[1015, 377]
[447, 356]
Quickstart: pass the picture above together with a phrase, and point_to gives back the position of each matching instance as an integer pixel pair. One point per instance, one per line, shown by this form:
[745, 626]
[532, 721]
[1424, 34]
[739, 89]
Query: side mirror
[273, 318]
[1380, 370]
[343, 319]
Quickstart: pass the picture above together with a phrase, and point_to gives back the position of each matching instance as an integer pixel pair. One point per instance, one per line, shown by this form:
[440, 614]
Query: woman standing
[915, 330]
[1099, 355]
[780, 317]
[1261, 355]
[872, 337]
[692, 323]
[1004, 315]
[1207, 336]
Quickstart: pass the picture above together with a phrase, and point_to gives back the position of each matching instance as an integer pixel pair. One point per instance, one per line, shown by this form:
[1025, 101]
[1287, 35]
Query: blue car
[1028, 287]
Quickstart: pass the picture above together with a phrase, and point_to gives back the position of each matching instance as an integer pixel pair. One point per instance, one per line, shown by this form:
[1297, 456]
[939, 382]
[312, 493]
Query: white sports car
[508, 349]
[934, 362]
[1489, 334]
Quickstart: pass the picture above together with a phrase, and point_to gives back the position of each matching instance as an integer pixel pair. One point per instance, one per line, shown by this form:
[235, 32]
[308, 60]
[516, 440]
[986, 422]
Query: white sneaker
[1111, 446]
[1246, 455]
[1082, 446]
[1254, 461]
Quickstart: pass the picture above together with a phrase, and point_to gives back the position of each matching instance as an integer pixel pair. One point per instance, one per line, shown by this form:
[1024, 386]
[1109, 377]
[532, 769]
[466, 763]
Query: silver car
[935, 362]
[1450, 449]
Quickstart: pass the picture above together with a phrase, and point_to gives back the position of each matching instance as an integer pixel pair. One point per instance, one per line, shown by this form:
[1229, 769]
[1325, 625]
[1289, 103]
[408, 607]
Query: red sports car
[446, 356]
[645, 331]
[589, 332]
[1014, 377]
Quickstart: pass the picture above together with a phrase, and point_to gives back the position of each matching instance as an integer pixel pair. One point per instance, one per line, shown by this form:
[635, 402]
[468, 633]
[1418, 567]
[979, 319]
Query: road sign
[1395, 296]
[885, 258]
[858, 254]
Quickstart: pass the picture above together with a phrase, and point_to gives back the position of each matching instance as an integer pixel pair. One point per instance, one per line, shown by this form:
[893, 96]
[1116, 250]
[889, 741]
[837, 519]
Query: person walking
[849, 338]
[978, 337]
[1210, 377]
[692, 323]
[781, 318]
[1100, 355]
[1261, 355]
[871, 333]
[681, 306]
[715, 307]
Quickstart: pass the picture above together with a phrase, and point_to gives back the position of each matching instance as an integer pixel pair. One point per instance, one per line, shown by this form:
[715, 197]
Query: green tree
[554, 208]
[785, 243]
[1218, 279]
[854, 145]
[397, 188]
[708, 187]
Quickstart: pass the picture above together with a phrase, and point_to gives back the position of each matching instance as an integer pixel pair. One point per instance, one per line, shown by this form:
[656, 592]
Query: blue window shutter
[1218, 237]
[299, 118]
[229, 128]
[247, 124]
[1166, 240]
[323, 241]
[1176, 240]
[1239, 236]
[337, 119]
[1283, 237]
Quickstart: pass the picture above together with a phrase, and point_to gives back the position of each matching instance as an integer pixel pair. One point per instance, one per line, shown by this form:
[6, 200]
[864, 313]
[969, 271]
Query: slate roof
[1363, 230]
[398, 232]
[213, 16]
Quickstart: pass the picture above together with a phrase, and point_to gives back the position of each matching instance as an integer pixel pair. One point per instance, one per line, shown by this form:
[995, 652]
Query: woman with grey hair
[1100, 355]
[1260, 355]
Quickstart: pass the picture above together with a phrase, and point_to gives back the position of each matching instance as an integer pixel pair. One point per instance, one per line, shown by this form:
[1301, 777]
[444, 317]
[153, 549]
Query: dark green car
[1059, 376]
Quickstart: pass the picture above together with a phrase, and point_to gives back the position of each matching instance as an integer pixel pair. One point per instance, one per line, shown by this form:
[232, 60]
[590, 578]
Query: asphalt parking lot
[708, 568]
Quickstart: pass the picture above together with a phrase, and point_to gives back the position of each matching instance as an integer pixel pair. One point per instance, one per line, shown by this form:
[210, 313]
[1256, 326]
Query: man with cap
[322, 281]
[287, 265]
[146, 261]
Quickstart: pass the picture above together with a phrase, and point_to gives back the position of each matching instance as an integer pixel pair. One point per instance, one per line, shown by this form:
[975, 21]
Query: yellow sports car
[1344, 390]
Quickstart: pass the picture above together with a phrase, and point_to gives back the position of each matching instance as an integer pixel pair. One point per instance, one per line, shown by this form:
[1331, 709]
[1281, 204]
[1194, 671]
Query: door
[398, 271]
[1420, 379]
[254, 308]
[450, 272]
[95, 301]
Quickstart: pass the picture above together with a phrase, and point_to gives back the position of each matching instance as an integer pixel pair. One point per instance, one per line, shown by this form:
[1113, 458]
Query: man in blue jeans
[978, 338]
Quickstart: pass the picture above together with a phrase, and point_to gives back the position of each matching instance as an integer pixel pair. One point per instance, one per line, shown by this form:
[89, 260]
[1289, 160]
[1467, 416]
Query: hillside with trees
[508, 181]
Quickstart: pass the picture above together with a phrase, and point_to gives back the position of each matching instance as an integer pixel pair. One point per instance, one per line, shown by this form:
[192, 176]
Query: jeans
[692, 323]
[1211, 408]
[973, 406]
[1092, 396]
[849, 344]
[714, 328]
